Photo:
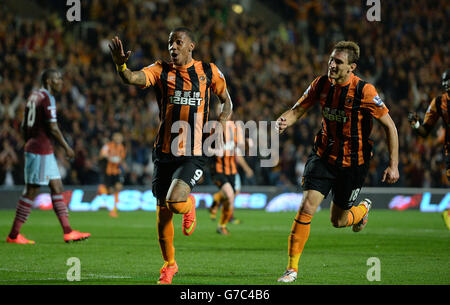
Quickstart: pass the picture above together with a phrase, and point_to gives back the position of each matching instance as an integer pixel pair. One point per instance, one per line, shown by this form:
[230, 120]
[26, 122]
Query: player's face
[117, 137]
[338, 66]
[180, 48]
[56, 82]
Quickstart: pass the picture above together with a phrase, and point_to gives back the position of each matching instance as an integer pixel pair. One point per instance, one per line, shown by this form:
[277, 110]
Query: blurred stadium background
[269, 52]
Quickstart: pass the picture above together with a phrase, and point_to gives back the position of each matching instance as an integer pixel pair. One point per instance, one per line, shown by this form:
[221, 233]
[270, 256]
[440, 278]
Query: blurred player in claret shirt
[342, 148]
[114, 154]
[438, 109]
[183, 87]
[39, 125]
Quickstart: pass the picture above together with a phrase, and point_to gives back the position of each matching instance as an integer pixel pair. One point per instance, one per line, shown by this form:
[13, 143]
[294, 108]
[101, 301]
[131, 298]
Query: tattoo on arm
[133, 77]
[139, 78]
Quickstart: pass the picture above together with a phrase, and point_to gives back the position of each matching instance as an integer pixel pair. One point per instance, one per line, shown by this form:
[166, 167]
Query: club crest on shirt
[202, 78]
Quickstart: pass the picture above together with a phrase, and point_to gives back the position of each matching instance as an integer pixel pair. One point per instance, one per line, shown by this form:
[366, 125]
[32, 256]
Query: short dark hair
[351, 48]
[185, 30]
[46, 74]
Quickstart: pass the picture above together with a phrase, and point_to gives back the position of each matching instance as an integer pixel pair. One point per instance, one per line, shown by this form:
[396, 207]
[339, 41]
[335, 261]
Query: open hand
[117, 53]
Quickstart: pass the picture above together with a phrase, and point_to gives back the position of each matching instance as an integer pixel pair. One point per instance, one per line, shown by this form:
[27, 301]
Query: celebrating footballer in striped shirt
[342, 150]
[183, 89]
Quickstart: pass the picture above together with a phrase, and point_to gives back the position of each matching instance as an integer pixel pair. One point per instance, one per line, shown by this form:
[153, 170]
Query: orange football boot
[167, 273]
[189, 220]
[20, 239]
[75, 236]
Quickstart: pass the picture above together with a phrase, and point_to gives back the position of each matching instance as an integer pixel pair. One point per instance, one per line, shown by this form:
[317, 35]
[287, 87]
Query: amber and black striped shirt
[347, 111]
[114, 154]
[439, 108]
[234, 141]
[183, 94]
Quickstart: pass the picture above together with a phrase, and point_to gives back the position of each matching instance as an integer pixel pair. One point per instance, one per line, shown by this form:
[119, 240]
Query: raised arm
[120, 58]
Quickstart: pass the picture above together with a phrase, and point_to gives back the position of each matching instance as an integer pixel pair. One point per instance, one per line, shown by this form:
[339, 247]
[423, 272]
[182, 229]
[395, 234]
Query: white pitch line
[89, 275]
[28, 280]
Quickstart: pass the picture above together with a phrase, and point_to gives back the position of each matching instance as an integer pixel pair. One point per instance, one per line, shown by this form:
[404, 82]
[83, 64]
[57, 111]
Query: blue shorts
[40, 169]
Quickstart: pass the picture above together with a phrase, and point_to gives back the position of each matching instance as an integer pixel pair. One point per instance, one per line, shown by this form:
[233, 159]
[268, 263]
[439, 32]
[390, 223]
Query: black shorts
[112, 180]
[188, 169]
[344, 182]
[220, 179]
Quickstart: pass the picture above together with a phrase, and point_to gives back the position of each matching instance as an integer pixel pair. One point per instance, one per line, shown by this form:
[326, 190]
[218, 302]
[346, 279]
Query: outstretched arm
[422, 130]
[391, 174]
[289, 117]
[120, 59]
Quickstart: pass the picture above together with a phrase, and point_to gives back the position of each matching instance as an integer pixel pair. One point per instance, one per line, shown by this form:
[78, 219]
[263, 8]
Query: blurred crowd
[267, 67]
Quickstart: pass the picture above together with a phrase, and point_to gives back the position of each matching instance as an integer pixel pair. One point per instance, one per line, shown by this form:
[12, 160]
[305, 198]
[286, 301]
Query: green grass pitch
[412, 247]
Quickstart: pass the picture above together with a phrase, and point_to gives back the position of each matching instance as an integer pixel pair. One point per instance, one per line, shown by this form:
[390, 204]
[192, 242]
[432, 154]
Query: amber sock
[116, 200]
[225, 216]
[165, 234]
[298, 237]
[355, 214]
[217, 198]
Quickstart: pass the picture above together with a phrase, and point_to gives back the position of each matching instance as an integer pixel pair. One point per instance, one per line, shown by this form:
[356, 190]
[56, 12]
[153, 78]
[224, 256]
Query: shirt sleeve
[218, 83]
[372, 101]
[49, 105]
[309, 97]
[432, 115]
[152, 74]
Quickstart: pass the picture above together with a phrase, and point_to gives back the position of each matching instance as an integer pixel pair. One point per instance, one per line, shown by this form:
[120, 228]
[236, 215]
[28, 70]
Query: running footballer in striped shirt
[224, 173]
[183, 89]
[342, 148]
[114, 153]
[438, 109]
